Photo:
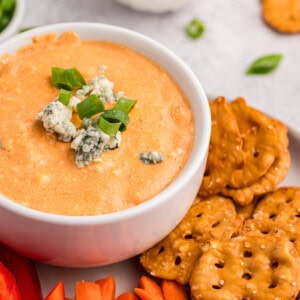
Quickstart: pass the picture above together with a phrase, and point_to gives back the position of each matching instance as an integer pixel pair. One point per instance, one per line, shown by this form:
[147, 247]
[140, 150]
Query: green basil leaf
[265, 64]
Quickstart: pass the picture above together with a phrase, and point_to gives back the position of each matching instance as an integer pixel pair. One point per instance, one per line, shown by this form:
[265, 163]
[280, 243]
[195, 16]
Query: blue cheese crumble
[88, 144]
[151, 157]
[100, 86]
[56, 118]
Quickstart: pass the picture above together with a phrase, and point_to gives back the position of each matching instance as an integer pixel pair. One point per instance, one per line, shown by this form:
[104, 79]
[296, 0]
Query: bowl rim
[16, 20]
[186, 174]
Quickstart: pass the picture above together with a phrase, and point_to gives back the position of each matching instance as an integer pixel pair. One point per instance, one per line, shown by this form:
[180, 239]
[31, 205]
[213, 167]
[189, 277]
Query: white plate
[128, 272]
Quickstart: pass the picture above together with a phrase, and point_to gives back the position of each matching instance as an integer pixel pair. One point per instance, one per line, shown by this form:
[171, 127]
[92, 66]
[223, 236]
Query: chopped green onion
[64, 96]
[67, 79]
[7, 9]
[89, 107]
[125, 104]
[116, 116]
[195, 29]
[265, 64]
[108, 127]
[75, 77]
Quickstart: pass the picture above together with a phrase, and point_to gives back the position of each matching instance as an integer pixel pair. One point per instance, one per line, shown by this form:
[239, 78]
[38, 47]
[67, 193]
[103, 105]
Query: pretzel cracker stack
[241, 238]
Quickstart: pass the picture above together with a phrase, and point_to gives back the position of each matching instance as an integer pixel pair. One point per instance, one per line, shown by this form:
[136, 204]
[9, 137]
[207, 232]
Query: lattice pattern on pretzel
[247, 268]
[175, 256]
[282, 205]
[267, 228]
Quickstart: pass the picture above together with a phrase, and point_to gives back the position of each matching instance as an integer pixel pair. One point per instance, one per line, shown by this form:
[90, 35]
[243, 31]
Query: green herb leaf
[108, 127]
[7, 9]
[64, 96]
[116, 116]
[195, 29]
[89, 107]
[265, 64]
[125, 104]
[67, 79]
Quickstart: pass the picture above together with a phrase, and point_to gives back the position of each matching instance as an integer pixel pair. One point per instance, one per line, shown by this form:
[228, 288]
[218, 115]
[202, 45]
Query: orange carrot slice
[172, 290]
[57, 293]
[148, 284]
[145, 295]
[87, 291]
[127, 296]
[107, 288]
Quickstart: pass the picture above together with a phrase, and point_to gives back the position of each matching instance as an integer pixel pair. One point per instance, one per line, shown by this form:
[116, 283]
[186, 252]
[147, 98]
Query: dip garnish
[67, 79]
[64, 96]
[101, 128]
[89, 107]
[151, 157]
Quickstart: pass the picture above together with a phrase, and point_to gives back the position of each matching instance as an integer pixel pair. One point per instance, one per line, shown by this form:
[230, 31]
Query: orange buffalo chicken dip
[88, 127]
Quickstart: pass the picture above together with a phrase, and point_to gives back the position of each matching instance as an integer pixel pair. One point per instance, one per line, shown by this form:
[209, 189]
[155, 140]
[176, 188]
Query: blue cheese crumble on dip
[90, 141]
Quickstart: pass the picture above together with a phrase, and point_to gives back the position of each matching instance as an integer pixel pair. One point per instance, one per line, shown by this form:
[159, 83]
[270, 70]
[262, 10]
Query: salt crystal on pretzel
[247, 268]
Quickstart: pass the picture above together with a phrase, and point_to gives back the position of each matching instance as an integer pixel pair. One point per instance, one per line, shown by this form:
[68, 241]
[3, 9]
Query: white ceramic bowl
[77, 241]
[14, 25]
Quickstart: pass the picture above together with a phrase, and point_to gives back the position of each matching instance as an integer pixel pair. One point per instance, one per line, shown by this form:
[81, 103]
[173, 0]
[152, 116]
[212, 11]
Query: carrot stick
[146, 295]
[149, 285]
[87, 291]
[57, 293]
[107, 288]
[172, 290]
[127, 296]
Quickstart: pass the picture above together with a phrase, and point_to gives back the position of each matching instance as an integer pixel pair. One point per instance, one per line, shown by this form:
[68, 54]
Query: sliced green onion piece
[116, 116]
[75, 78]
[59, 79]
[195, 29]
[64, 96]
[108, 127]
[125, 104]
[265, 64]
[89, 107]
[67, 79]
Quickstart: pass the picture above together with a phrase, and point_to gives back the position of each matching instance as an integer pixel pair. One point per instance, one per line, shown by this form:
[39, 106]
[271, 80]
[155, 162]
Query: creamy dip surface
[38, 171]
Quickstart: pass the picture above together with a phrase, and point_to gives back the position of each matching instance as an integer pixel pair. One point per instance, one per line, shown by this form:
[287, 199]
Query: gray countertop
[235, 36]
